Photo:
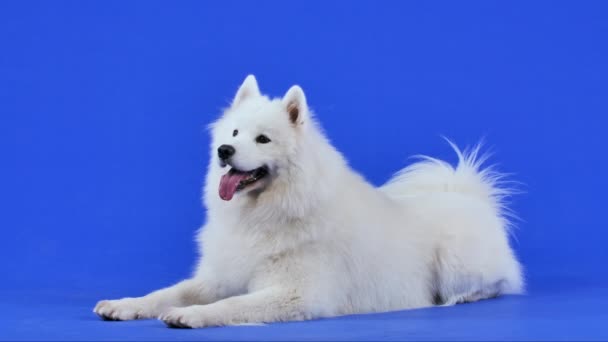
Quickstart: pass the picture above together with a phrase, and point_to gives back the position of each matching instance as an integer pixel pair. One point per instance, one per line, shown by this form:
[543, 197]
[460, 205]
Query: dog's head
[256, 138]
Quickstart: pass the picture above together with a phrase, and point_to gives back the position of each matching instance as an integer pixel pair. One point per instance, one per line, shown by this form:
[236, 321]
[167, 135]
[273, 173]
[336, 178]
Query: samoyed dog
[292, 233]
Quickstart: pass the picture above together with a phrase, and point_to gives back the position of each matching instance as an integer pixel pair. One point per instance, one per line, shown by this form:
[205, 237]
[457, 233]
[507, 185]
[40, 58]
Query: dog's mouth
[236, 180]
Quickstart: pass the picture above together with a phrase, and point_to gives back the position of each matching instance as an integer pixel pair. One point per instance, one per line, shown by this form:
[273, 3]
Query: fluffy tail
[469, 177]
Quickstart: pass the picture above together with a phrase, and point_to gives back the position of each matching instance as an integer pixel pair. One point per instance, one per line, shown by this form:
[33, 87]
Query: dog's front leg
[267, 305]
[185, 293]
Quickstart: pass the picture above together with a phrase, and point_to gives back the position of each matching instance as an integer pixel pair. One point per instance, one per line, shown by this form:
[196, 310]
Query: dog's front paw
[188, 317]
[122, 309]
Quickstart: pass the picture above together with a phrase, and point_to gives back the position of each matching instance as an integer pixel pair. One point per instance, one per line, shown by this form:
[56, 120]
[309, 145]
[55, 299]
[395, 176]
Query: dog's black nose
[225, 152]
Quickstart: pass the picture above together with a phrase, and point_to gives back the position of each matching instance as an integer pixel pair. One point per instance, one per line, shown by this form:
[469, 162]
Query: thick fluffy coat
[295, 234]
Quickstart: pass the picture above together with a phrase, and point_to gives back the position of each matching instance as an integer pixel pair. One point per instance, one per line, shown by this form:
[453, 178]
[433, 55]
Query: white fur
[314, 239]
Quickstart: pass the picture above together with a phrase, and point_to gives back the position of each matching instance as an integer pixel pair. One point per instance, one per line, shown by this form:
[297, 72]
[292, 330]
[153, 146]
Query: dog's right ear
[248, 89]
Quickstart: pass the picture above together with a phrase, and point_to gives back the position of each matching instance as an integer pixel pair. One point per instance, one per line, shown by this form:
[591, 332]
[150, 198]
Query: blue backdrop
[103, 108]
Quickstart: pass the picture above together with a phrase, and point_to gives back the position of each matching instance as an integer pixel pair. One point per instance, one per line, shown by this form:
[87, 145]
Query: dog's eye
[262, 139]
[235, 132]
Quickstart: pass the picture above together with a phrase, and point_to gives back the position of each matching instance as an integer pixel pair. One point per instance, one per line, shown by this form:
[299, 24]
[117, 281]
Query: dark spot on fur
[437, 300]
[109, 318]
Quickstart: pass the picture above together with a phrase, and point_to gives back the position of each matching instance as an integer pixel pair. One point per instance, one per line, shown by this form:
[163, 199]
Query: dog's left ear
[294, 102]
[249, 88]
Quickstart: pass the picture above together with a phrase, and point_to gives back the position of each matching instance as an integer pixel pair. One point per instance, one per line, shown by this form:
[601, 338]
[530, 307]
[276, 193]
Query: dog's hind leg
[486, 291]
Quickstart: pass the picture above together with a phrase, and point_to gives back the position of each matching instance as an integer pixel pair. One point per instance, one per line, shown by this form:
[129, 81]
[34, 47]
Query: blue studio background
[103, 106]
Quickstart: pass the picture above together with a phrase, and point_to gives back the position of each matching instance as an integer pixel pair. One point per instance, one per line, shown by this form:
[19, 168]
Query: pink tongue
[229, 183]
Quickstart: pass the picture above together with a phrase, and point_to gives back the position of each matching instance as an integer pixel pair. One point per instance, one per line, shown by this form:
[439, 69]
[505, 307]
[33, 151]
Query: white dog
[295, 234]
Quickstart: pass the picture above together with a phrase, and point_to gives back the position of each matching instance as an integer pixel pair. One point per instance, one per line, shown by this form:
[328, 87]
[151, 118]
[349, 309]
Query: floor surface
[554, 309]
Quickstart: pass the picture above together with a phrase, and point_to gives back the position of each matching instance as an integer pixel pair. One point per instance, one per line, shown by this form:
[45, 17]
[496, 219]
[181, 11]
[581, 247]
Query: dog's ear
[247, 89]
[294, 102]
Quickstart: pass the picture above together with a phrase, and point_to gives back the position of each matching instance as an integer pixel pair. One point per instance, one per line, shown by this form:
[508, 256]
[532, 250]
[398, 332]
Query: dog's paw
[188, 317]
[122, 310]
